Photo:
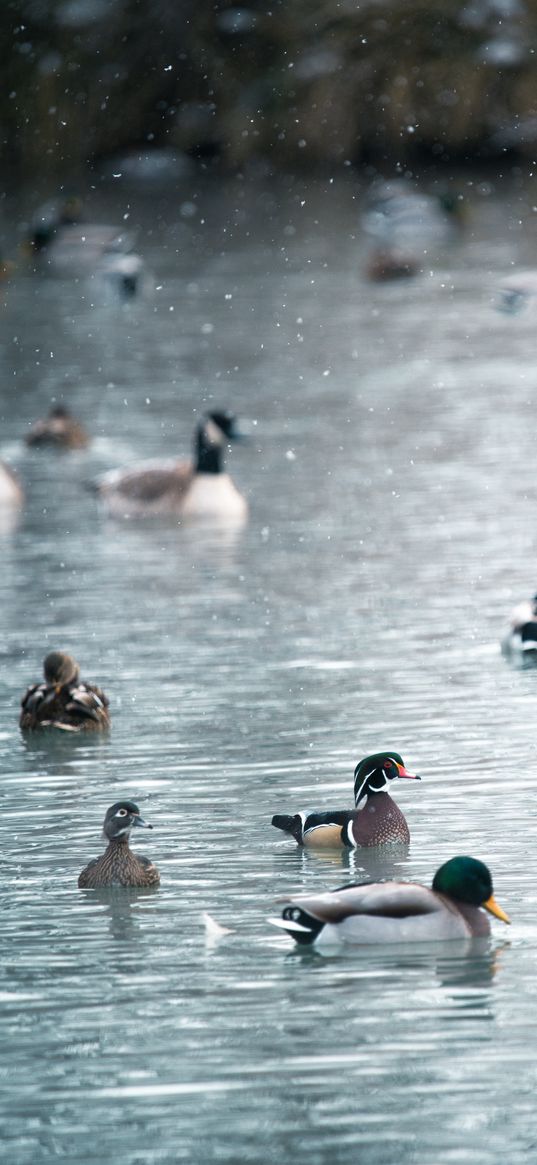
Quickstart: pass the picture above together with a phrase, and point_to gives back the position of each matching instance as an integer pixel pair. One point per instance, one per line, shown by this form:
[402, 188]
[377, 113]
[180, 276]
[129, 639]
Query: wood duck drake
[119, 866]
[378, 822]
[192, 489]
[520, 643]
[59, 429]
[397, 912]
[63, 701]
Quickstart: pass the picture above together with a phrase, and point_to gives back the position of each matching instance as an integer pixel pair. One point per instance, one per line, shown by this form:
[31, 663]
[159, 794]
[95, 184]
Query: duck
[397, 912]
[406, 227]
[66, 244]
[516, 292]
[188, 489]
[64, 701]
[378, 822]
[118, 865]
[58, 429]
[521, 639]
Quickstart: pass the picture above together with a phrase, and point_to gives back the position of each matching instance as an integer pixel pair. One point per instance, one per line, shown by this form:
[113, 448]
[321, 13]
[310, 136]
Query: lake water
[393, 488]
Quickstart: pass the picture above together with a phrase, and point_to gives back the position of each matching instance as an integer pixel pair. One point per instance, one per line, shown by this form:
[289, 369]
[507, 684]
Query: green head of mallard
[468, 880]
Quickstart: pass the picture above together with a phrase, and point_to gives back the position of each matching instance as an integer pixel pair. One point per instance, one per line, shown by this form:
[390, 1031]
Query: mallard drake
[59, 429]
[11, 493]
[192, 489]
[378, 822]
[521, 639]
[397, 912]
[119, 866]
[63, 700]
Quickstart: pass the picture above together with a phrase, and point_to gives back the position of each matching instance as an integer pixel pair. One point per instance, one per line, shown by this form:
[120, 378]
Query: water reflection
[392, 498]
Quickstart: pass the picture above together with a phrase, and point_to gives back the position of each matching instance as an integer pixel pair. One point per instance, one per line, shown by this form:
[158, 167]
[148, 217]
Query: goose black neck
[208, 453]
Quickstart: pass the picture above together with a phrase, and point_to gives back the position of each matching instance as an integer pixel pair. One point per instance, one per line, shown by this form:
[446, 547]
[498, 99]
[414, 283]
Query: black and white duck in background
[378, 822]
[520, 642]
[200, 488]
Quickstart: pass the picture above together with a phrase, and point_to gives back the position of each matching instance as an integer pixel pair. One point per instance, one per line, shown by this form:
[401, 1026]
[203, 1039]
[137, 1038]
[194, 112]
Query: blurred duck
[192, 489]
[63, 701]
[520, 643]
[59, 430]
[397, 912]
[11, 493]
[119, 866]
[517, 292]
[406, 228]
[124, 275]
[378, 822]
[66, 244]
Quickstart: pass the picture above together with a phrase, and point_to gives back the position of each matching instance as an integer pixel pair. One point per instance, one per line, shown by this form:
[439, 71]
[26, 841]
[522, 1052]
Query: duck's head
[60, 669]
[212, 433]
[468, 880]
[121, 818]
[374, 773]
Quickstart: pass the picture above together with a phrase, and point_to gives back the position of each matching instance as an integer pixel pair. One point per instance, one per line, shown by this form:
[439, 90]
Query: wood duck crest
[64, 701]
[378, 822]
[119, 866]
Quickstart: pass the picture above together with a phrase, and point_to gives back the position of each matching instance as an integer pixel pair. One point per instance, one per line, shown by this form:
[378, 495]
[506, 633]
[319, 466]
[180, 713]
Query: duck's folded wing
[379, 899]
[86, 700]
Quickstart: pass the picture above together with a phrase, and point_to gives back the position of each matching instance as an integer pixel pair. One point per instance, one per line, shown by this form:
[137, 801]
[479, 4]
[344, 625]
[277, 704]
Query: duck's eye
[387, 764]
[122, 813]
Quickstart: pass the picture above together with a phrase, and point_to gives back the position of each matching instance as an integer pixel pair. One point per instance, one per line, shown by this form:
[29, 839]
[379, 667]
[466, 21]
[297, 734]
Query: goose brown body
[119, 865]
[63, 701]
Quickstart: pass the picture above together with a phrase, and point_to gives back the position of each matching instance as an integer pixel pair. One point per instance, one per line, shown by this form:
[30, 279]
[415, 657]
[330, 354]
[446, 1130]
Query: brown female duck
[63, 700]
[119, 866]
[59, 430]
[378, 822]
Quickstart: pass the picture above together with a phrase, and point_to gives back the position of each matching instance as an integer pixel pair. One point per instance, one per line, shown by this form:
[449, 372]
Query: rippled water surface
[392, 484]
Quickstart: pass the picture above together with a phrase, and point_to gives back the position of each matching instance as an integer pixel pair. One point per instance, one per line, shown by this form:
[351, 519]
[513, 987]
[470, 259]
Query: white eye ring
[122, 813]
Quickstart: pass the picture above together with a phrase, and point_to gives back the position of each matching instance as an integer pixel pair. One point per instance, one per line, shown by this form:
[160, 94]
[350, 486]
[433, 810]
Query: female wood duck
[119, 866]
[59, 429]
[191, 489]
[397, 912]
[64, 701]
[378, 822]
[520, 643]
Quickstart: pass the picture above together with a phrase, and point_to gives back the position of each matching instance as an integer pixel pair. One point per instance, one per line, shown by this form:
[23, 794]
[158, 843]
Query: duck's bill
[492, 906]
[402, 772]
[144, 824]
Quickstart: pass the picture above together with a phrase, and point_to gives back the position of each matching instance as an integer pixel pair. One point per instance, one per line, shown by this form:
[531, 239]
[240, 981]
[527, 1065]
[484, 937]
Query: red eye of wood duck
[378, 822]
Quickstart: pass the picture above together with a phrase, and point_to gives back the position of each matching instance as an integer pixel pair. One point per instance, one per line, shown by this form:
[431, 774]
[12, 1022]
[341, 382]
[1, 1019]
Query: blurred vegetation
[301, 82]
